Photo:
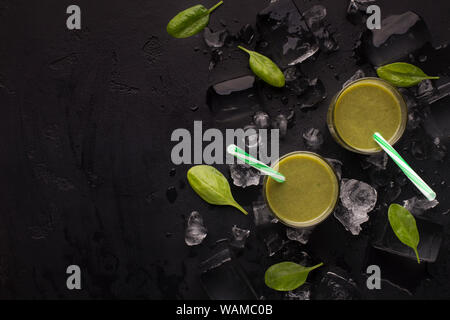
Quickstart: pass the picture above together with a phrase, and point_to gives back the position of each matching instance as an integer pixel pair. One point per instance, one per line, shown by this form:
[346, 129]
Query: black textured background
[85, 124]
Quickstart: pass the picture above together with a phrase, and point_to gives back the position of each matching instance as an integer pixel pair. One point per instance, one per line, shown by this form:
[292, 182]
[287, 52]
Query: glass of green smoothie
[308, 195]
[363, 107]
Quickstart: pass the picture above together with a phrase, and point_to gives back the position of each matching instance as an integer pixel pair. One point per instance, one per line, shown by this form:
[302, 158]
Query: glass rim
[322, 217]
[398, 135]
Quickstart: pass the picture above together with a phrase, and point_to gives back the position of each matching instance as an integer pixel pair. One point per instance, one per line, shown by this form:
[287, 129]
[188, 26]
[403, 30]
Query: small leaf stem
[237, 206]
[214, 7]
[242, 48]
[417, 255]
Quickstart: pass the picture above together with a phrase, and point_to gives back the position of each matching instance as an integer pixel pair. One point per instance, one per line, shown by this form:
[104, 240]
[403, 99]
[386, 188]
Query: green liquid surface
[363, 109]
[309, 193]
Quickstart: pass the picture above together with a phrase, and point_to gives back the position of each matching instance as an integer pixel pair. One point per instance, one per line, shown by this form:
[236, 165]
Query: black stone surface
[85, 124]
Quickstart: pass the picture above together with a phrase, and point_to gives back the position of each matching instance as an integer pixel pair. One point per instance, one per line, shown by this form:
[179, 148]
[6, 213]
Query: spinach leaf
[265, 68]
[404, 226]
[211, 185]
[190, 21]
[402, 74]
[287, 276]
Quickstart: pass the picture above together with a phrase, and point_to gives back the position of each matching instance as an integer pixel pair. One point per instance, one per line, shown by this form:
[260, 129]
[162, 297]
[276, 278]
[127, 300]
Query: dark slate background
[85, 125]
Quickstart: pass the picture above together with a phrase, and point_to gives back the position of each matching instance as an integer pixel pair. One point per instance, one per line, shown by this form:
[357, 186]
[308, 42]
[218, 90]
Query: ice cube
[314, 16]
[244, 175]
[224, 279]
[335, 285]
[301, 293]
[251, 139]
[415, 113]
[315, 19]
[309, 91]
[378, 160]
[429, 244]
[436, 123]
[351, 220]
[195, 230]
[357, 199]
[425, 89]
[431, 116]
[239, 237]
[261, 120]
[337, 166]
[357, 75]
[443, 90]
[389, 291]
[216, 260]
[357, 11]
[414, 120]
[233, 102]
[296, 81]
[292, 74]
[281, 123]
[314, 94]
[290, 117]
[215, 39]
[357, 195]
[285, 36]
[418, 206]
[216, 57]
[293, 251]
[313, 138]
[262, 214]
[299, 235]
[246, 34]
[410, 99]
[273, 242]
[403, 272]
[399, 36]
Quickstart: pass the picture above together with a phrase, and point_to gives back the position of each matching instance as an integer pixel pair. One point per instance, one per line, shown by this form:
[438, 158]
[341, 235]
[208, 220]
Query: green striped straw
[255, 163]
[410, 173]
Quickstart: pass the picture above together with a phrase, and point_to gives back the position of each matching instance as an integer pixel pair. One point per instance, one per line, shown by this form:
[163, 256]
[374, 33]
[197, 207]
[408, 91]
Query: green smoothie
[309, 193]
[364, 107]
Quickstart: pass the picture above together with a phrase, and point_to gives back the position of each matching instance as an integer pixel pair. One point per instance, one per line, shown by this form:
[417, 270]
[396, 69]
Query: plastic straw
[255, 163]
[409, 172]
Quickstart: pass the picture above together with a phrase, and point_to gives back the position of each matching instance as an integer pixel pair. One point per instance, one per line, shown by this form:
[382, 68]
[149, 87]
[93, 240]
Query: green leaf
[287, 276]
[404, 226]
[211, 185]
[265, 68]
[190, 21]
[401, 74]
